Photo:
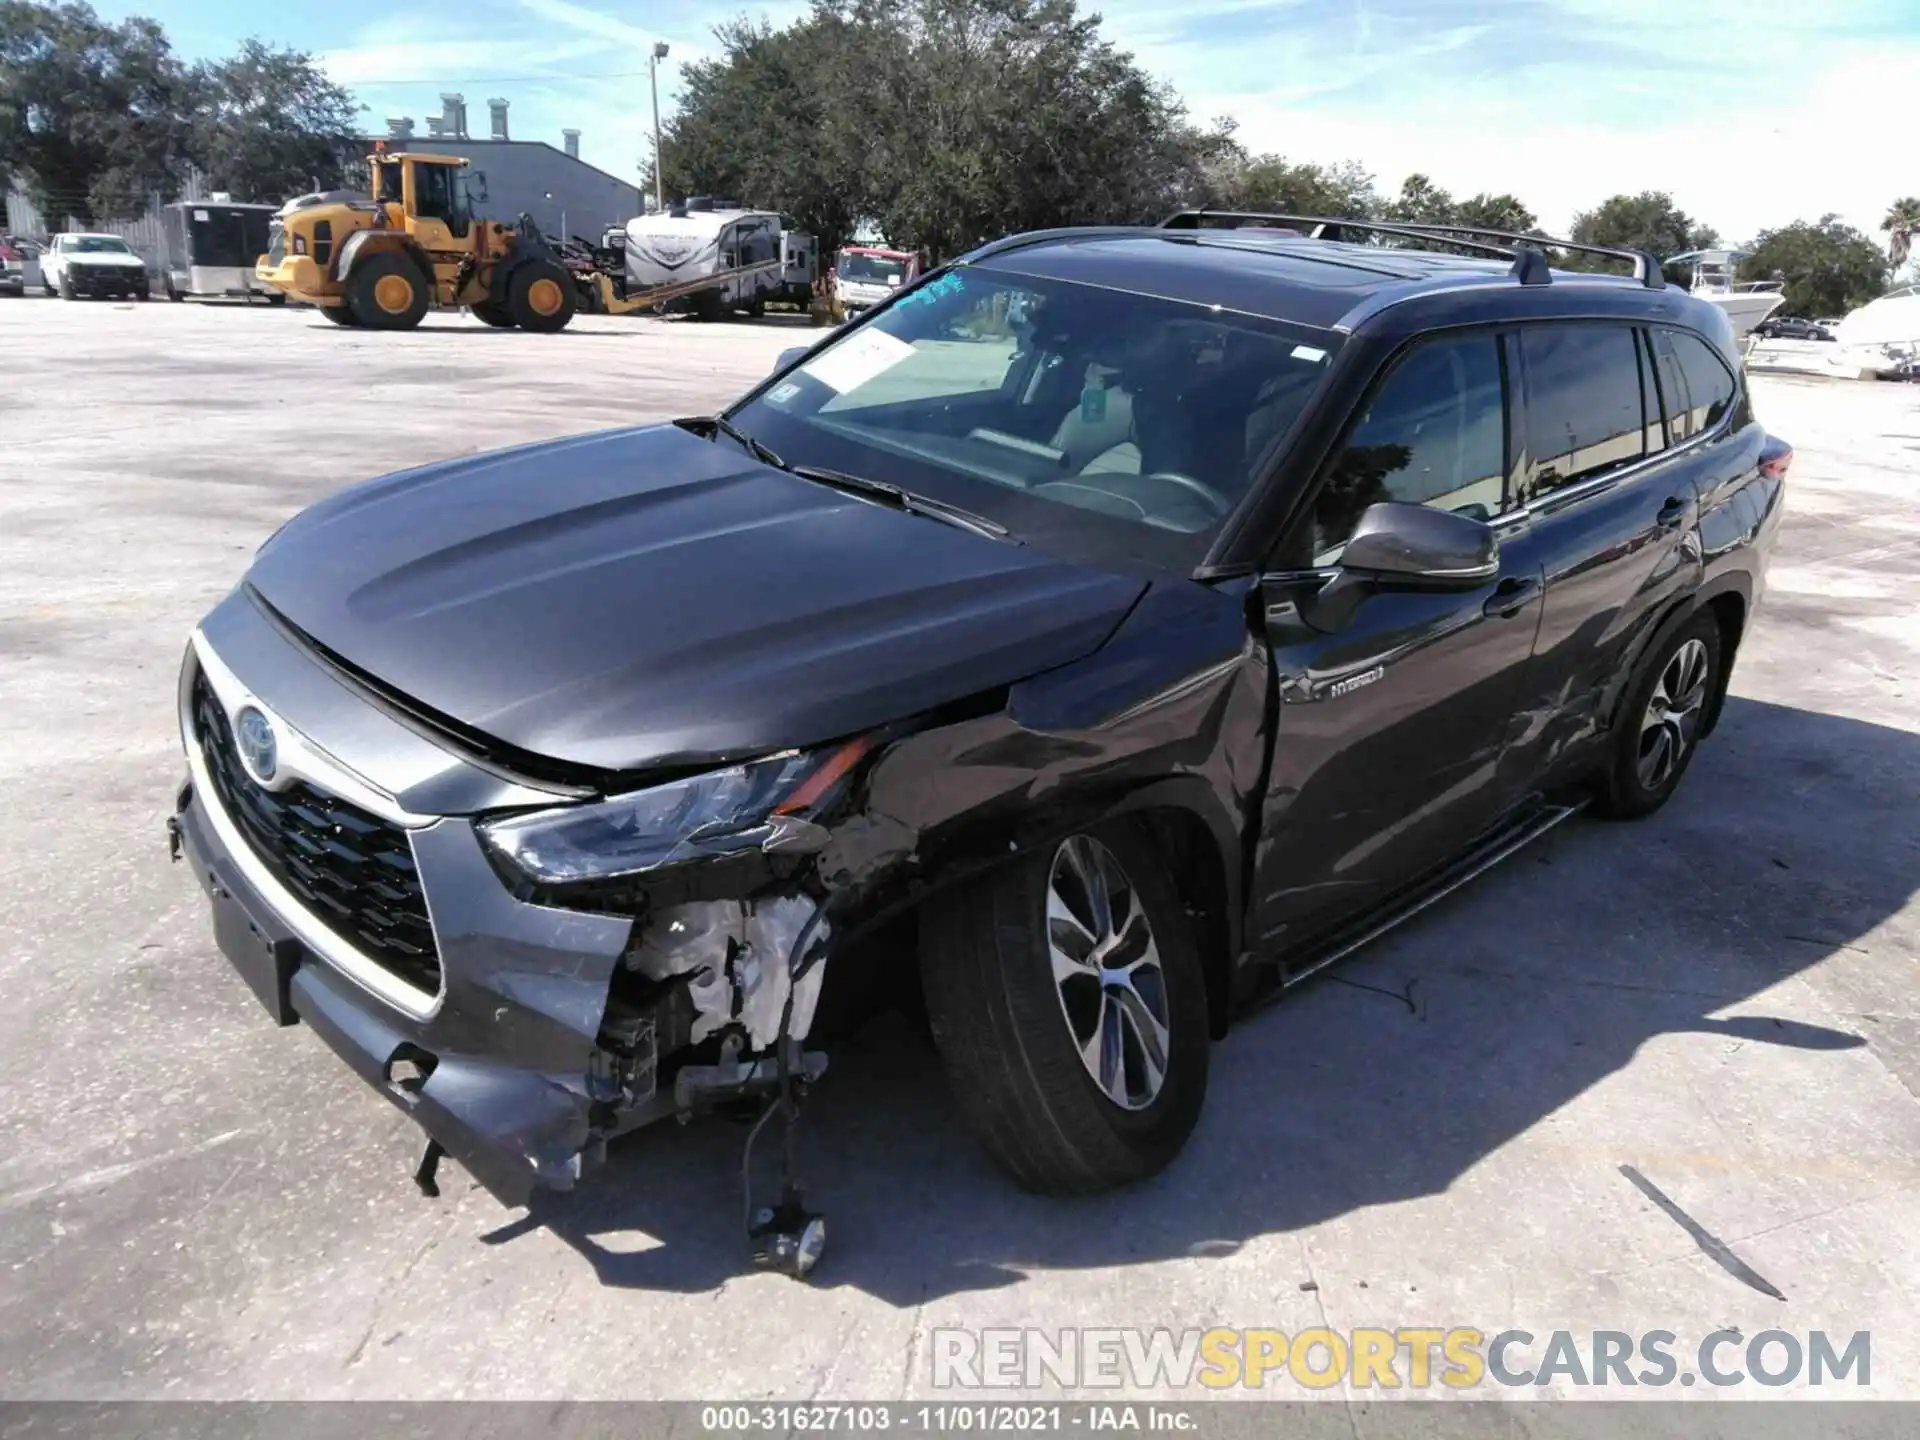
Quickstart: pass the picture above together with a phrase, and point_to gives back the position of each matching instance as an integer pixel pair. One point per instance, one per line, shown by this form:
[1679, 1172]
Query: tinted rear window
[1586, 412]
[1708, 392]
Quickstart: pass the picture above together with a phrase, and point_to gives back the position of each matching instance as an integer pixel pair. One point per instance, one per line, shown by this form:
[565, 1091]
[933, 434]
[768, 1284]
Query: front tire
[387, 292]
[66, 289]
[540, 297]
[1660, 722]
[1067, 1002]
[488, 313]
[339, 315]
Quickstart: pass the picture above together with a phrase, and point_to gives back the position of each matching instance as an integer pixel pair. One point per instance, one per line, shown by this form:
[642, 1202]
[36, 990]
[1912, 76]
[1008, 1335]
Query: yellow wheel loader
[380, 262]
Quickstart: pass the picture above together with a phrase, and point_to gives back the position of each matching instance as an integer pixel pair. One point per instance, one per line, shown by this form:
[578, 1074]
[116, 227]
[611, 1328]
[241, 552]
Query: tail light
[1776, 458]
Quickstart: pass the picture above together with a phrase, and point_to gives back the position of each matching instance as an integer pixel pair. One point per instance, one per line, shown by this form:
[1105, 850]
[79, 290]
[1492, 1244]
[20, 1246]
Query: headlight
[723, 812]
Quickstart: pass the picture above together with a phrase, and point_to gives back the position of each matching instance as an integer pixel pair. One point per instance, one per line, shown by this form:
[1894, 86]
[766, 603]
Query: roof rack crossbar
[1506, 244]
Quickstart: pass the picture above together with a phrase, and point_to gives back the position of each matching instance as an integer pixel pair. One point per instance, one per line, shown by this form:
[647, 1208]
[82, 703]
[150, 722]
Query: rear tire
[339, 315]
[278, 297]
[540, 297]
[487, 313]
[1660, 720]
[387, 292]
[1015, 1039]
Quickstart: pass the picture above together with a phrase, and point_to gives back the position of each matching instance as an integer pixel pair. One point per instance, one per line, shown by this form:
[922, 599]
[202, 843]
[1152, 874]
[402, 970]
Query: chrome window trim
[357, 966]
[1554, 500]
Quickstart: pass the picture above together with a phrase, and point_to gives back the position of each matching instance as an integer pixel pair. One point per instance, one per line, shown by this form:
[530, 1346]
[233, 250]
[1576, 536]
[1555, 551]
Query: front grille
[353, 870]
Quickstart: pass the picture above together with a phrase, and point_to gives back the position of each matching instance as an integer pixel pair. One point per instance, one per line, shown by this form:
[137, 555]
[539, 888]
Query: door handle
[1511, 596]
[1673, 512]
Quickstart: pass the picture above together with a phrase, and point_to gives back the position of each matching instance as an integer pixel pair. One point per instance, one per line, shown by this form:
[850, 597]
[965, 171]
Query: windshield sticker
[782, 393]
[857, 359]
[1309, 354]
[948, 284]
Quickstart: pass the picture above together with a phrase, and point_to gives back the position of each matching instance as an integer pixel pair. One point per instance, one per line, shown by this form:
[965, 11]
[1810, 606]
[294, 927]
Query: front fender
[524, 249]
[361, 243]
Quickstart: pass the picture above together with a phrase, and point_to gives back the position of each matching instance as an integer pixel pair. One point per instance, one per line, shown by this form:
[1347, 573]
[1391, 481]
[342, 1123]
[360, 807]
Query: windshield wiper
[904, 500]
[858, 484]
[720, 425]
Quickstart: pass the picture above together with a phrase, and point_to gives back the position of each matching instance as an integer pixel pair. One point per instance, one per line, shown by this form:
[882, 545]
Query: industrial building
[563, 194]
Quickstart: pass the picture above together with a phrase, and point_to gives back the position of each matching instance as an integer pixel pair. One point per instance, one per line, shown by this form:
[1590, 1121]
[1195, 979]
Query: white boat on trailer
[1746, 303]
[1883, 335]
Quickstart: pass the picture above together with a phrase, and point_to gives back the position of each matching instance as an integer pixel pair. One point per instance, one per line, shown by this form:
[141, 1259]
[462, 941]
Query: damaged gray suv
[1107, 629]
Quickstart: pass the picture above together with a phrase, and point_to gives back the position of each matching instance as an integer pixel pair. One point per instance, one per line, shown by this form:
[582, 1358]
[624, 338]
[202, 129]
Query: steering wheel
[1214, 500]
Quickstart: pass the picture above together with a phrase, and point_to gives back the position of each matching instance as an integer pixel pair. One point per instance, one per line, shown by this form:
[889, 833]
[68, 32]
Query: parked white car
[95, 265]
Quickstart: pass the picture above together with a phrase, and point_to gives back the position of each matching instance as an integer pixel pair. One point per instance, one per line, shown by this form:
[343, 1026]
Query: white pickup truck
[96, 265]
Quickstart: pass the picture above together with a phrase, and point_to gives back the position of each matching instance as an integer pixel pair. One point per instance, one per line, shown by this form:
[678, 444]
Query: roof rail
[1505, 244]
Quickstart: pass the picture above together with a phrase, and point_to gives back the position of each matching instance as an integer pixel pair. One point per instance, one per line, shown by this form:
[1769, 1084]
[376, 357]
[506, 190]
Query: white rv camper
[700, 237]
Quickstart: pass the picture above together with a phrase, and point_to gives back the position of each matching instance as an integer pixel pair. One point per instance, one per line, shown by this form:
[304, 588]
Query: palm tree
[1903, 228]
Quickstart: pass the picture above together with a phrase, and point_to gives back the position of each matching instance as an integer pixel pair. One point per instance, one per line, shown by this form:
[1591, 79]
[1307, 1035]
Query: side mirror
[788, 356]
[1409, 546]
[1417, 543]
[477, 186]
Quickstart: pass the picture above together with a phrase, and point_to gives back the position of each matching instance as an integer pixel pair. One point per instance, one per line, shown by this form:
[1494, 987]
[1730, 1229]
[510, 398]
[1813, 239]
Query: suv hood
[106, 261]
[646, 597]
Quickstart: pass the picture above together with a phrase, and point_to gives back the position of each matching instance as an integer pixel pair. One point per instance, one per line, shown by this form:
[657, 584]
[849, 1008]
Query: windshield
[98, 245]
[1097, 424]
[871, 269]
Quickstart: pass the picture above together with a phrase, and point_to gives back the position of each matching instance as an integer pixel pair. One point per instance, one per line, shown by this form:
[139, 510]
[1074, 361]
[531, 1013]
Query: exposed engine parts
[736, 957]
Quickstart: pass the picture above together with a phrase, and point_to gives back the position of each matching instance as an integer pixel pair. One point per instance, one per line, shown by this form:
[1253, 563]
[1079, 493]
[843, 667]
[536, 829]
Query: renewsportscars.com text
[1377, 1359]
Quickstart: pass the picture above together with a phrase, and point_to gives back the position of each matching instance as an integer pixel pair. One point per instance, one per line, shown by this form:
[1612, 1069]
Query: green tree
[1423, 201]
[1902, 225]
[94, 118]
[1648, 221]
[945, 122]
[763, 122]
[1291, 187]
[1829, 268]
[269, 123]
[1497, 212]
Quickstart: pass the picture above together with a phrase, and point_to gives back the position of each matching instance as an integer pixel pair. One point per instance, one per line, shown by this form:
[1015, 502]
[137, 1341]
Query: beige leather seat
[1092, 444]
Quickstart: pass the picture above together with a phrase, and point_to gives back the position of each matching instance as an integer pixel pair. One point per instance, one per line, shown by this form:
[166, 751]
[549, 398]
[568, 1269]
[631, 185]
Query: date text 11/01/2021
[945, 1419]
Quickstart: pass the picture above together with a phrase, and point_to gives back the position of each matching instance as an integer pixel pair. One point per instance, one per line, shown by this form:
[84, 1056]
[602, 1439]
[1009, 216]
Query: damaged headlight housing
[760, 805]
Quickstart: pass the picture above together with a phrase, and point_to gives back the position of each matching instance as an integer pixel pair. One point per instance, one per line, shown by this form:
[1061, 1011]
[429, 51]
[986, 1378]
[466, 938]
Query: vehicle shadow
[572, 332]
[1382, 1082]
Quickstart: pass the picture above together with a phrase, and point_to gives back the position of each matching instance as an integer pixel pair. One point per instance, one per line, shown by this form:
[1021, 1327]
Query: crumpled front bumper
[515, 1125]
[501, 1063]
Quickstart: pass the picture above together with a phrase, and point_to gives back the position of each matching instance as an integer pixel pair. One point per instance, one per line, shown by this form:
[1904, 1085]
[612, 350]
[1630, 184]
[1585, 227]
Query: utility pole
[653, 79]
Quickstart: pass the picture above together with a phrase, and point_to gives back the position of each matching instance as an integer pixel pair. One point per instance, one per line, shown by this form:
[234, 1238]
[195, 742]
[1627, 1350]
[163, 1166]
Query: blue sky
[1751, 112]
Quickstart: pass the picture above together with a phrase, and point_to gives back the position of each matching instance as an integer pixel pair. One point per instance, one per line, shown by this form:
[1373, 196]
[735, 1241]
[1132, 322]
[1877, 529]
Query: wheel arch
[522, 252]
[1189, 825]
[358, 247]
[1729, 599]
